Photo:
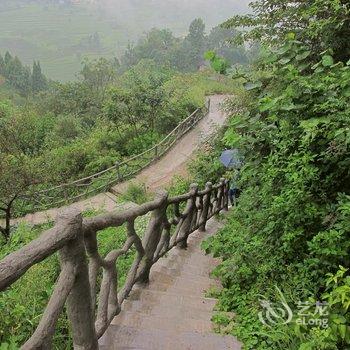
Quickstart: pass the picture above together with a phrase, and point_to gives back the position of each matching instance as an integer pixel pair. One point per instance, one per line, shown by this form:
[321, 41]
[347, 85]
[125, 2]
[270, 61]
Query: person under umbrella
[232, 160]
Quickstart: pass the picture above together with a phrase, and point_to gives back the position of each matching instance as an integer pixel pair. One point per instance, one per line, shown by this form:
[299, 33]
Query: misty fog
[61, 33]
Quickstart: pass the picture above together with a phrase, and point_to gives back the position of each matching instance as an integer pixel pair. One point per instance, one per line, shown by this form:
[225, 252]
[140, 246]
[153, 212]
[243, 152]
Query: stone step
[195, 258]
[172, 298]
[197, 265]
[112, 196]
[201, 262]
[189, 271]
[183, 286]
[192, 250]
[166, 276]
[176, 322]
[186, 270]
[147, 308]
[126, 337]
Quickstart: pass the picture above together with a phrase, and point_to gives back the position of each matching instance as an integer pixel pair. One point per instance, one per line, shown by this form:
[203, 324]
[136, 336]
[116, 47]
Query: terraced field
[60, 35]
[55, 35]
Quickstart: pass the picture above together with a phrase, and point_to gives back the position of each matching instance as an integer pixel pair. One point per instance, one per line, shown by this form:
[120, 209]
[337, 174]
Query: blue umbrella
[231, 159]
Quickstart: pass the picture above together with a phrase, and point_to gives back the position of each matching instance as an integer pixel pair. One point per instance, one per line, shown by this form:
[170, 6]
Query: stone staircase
[172, 312]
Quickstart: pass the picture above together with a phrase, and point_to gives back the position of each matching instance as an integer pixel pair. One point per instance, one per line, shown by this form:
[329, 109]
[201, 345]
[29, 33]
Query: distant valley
[61, 33]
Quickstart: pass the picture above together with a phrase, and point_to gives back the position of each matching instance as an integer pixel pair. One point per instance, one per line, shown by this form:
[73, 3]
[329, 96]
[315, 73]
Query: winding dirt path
[174, 162]
[157, 175]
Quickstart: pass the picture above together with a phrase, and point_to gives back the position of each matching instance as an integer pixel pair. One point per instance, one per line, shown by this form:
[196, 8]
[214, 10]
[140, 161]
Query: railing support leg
[152, 237]
[117, 167]
[206, 205]
[79, 308]
[189, 211]
[221, 196]
[226, 194]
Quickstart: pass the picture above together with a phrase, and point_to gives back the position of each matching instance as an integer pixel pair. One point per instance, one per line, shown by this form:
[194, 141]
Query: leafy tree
[71, 98]
[95, 41]
[18, 174]
[221, 41]
[219, 64]
[129, 57]
[18, 134]
[195, 44]
[2, 66]
[98, 74]
[39, 82]
[321, 24]
[20, 77]
[139, 99]
[8, 58]
[158, 45]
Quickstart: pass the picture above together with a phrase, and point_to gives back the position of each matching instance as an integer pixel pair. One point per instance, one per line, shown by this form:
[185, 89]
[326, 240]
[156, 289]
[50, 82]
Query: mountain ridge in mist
[58, 32]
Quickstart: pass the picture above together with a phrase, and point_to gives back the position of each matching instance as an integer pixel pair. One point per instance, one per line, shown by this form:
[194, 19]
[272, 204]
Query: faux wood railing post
[189, 212]
[226, 195]
[152, 237]
[117, 167]
[79, 308]
[206, 205]
[221, 195]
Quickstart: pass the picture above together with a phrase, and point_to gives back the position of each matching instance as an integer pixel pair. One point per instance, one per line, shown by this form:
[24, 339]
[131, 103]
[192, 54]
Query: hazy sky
[173, 13]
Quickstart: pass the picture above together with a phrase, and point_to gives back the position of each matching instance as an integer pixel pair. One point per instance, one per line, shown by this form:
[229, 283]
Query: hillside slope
[157, 175]
[61, 35]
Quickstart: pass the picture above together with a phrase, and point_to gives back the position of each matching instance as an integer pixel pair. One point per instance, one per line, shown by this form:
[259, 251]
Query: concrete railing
[91, 306]
[102, 181]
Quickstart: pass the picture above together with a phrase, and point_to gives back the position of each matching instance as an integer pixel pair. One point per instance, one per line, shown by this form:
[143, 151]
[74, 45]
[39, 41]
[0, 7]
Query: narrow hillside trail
[173, 311]
[175, 160]
[159, 174]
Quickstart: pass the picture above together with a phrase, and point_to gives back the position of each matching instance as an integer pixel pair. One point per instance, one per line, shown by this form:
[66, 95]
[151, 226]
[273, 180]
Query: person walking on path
[234, 188]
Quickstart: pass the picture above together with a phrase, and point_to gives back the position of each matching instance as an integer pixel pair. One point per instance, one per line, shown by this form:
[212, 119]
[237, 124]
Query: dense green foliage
[219, 64]
[76, 129]
[321, 24]
[292, 225]
[186, 54]
[24, 80]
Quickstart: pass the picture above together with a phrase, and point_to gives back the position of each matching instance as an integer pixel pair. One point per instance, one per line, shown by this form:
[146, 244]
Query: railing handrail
[75, 239]
[124, 161]
[86, 186]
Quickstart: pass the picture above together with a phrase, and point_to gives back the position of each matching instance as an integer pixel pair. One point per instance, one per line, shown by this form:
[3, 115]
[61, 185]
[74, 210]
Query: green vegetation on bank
[288, 239]
[77, 129]
[53, 132]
